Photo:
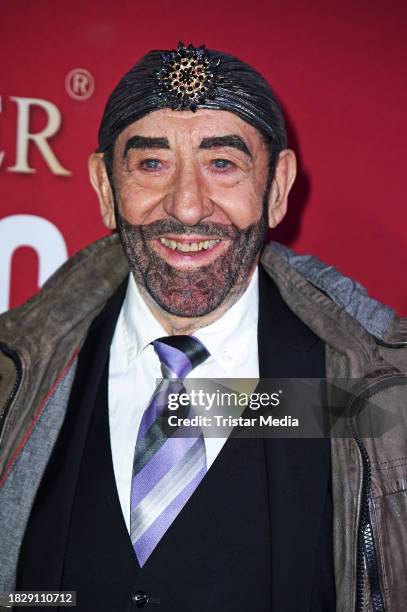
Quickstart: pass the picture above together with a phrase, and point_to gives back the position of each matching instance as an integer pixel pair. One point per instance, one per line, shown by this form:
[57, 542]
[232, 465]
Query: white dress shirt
[134, 368]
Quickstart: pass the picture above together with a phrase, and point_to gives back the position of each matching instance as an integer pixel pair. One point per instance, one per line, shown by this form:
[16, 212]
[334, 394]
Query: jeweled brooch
[187, 77]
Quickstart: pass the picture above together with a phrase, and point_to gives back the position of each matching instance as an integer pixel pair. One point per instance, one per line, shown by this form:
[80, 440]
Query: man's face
[190, 198]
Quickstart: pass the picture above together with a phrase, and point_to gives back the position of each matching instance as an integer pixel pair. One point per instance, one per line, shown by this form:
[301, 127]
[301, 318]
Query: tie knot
[179, 355]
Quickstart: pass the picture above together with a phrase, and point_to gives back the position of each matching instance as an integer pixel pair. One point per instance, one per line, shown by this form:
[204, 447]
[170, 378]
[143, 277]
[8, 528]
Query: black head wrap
[190, 78]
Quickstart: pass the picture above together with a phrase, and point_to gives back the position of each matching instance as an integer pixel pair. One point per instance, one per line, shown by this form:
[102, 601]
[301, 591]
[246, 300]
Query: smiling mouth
[189, 247]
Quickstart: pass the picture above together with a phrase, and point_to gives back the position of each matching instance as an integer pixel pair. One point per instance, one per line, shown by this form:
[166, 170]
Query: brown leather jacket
[38, 347]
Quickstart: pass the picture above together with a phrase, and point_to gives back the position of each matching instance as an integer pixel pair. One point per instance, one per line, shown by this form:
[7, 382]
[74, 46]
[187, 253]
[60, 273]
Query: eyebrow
[146, 142]
[231, 140]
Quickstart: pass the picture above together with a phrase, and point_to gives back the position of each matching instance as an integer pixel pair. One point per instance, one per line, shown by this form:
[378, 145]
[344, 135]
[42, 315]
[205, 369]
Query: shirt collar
[225, 338]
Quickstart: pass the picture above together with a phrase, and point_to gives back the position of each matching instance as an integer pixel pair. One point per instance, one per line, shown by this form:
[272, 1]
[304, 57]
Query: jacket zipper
[19, 370]
[366, 549]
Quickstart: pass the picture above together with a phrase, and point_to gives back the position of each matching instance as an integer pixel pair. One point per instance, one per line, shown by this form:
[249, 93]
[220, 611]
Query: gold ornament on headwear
[187, 77]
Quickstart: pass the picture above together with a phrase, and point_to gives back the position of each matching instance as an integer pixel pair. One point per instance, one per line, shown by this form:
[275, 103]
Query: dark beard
[192, 293]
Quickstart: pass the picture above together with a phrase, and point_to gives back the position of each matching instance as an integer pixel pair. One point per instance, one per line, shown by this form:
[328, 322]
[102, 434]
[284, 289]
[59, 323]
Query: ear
[286, 169]
[101, 184]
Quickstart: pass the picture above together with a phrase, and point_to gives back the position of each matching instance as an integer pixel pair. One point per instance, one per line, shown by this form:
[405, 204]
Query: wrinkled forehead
[182, 128]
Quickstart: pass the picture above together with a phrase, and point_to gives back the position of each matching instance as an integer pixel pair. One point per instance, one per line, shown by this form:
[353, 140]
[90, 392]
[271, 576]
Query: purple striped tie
[166, 469]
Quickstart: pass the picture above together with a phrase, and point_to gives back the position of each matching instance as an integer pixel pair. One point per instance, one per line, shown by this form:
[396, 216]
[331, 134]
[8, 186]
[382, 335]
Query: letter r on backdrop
[40, 139]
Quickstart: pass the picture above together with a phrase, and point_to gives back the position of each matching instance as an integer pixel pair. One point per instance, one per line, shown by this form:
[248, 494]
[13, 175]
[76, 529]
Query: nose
[187, 201]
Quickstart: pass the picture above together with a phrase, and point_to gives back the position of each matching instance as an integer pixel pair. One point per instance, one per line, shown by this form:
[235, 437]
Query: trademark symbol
[79, 84]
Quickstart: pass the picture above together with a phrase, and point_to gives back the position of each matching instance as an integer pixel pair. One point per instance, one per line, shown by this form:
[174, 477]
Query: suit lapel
[298, 469]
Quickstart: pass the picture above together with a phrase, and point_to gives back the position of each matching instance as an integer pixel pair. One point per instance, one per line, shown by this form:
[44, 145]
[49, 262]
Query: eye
[222, 164]
[150, 164]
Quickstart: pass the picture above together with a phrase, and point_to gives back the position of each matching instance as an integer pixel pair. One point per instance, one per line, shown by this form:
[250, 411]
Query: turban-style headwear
[189, 78]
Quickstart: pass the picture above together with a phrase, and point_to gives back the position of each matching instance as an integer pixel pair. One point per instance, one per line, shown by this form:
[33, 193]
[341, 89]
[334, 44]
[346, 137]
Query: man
[192, 169]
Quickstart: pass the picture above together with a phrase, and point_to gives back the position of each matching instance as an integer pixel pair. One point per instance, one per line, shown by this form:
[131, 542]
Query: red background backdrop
[339, 69]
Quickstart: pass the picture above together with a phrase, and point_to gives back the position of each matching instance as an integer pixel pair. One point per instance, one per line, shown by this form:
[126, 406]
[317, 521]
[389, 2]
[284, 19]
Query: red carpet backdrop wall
[338, 68]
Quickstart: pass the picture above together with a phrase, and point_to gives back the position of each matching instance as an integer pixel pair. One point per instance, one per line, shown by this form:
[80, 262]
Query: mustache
[172, 226]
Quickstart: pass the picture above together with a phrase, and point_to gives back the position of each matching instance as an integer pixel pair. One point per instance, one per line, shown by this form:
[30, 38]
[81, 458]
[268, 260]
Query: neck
[176, 325]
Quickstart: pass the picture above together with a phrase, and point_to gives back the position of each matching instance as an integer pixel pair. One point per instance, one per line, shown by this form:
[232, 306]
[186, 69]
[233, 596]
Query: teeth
[188, 247]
